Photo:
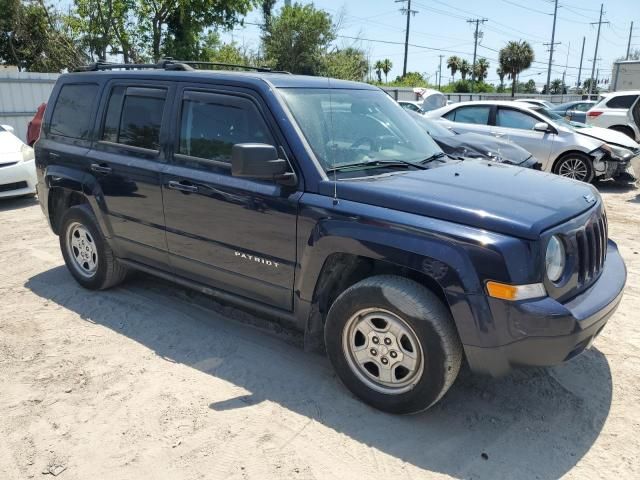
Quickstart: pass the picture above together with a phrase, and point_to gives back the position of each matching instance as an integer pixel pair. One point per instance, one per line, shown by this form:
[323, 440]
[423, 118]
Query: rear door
[127, 160]
[517, 126]
[235, 234]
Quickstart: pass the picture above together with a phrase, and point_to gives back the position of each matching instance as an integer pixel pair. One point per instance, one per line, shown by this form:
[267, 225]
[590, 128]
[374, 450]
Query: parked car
[575, 111]
[17, 166]
[33, 128]
[322, 204]
[561, 148]
[618, 111]
[535, 101]
[472, 145]
[411, 106]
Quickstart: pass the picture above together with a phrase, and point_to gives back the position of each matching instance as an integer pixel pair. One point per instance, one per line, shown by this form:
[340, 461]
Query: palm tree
[556, 87]
[482, 69]
[453, 64]
[515, 58]
[386, 65]
[501, 75]
[378, 67]
[465, 69]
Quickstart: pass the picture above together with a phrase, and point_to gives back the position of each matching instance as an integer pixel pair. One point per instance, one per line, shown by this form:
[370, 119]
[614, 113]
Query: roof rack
[168, 64]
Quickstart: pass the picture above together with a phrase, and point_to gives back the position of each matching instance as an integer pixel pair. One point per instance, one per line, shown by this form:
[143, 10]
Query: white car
[411, 106]
[17, 165]
[618, 111]
[535, 101]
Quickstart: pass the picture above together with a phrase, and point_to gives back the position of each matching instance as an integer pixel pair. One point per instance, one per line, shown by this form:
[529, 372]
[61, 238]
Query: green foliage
[453, 64]
[482, 68]
[378, 68]
[298, 38]
[515, 57]
[411, 79]
[464, 86]
[465, 69]
[346, 64]
[528, 87]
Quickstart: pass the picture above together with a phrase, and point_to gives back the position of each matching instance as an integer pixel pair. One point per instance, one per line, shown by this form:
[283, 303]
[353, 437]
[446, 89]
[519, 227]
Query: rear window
[622, 101]
[476, 114]
[71, 115]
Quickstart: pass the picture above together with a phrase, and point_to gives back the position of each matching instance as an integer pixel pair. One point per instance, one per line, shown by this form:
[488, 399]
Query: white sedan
[17, 165]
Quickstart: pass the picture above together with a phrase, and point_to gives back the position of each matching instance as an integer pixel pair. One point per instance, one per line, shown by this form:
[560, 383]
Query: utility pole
[552, 44]
[581, 57]
[440, 72]
[476, 35]
[408, 12]
[564, 74]
[629, 43]
[595, 55]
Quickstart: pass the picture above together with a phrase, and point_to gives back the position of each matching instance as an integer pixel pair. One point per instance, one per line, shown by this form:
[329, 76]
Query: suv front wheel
[393, 343]
[87, 255]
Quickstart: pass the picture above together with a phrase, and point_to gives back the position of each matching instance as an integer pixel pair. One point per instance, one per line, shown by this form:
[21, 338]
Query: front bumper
[18, 179]
[549, 332]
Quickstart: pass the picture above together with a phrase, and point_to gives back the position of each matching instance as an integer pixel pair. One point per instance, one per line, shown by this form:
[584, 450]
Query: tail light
[594, 113]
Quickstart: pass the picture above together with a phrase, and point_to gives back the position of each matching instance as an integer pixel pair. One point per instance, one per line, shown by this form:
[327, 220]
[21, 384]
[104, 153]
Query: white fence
[404, 93]
[20, 95]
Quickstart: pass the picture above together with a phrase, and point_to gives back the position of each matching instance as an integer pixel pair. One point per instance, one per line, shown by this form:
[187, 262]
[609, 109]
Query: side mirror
[8, 128]
[541, 127]
[257, 160]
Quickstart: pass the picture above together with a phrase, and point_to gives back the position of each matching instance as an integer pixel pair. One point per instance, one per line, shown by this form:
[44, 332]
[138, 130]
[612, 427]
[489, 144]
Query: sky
[440, 27]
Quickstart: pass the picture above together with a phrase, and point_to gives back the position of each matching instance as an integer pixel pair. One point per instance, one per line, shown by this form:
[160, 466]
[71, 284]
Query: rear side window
[622, 101]
[582, 107]
[134, 116]
[477, 114]
[508, 118]
[71, 115]
[210, 124]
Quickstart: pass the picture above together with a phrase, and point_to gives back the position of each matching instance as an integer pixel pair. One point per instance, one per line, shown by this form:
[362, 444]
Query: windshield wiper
[435, 156]
[376, 164]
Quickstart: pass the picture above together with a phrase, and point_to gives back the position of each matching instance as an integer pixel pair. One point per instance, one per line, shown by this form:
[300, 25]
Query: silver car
[560, 148]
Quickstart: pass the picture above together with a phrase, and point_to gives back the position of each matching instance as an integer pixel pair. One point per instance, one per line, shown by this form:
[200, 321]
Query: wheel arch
[564, 155]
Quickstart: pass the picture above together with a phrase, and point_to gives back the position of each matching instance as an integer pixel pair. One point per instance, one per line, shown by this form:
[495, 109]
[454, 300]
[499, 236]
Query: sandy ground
[150, 380]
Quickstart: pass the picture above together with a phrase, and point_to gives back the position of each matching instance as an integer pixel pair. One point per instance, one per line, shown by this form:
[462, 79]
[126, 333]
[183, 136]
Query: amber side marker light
[504, 291]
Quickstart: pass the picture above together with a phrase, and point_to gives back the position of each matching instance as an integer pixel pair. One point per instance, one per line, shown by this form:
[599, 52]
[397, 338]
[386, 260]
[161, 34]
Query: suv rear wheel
[393, 343]
[86, 253]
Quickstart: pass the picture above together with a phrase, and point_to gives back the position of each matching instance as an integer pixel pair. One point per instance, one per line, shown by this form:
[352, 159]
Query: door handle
[173, 185]
[102, 169]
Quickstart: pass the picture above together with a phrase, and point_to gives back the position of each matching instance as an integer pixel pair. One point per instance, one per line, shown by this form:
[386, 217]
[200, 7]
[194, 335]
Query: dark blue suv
[321, 204]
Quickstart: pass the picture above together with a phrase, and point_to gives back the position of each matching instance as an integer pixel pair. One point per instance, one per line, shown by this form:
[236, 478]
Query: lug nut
[387, 341]
[393, 354]
[373, 352]
[375, 340]
[384, 360]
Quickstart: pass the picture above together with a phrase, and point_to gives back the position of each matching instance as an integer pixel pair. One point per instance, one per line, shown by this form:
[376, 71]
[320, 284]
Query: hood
[486, 147]
[10, 146]
[500, 198]
[609, 136]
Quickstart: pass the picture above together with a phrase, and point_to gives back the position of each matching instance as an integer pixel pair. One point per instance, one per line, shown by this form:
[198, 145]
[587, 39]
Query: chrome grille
[592, 248]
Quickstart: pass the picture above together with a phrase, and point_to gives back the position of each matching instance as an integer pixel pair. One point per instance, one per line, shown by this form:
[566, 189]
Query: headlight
[555, 259]
[27, 153]
[617, 153]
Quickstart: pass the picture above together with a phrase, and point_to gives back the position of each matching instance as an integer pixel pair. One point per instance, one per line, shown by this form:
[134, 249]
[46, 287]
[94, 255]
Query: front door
[127, 162]
[236, 234]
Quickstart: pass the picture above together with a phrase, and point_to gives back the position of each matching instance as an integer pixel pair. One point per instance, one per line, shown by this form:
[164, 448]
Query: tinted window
[211, 124]
[514, 119]
[134, 116]
[410, 106]
[622, 101]
[478, 114]
[72, 112]
[582, 107]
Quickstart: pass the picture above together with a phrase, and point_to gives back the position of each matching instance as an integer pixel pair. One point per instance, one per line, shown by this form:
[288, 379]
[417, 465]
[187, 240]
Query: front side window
[134, 117]
[475, 114]
[345, 126]
[71, 115]
[211, 124]
[622, 101]
[508, 118]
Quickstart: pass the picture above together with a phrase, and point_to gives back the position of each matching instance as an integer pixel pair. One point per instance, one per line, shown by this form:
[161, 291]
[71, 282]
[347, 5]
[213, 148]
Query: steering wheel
[363, 141]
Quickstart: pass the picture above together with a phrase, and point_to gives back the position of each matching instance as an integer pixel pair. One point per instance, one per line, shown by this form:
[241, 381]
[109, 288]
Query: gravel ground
[150, 380]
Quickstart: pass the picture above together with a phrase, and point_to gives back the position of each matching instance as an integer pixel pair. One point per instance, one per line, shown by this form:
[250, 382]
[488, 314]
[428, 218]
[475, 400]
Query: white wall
[20, 95]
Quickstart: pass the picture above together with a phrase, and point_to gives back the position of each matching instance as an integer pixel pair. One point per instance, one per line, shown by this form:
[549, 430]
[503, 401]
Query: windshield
[347, 127]
[554, 116]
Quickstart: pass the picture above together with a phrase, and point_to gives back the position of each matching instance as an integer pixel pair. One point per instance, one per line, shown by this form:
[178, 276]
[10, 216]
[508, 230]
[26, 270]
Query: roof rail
[167, 64]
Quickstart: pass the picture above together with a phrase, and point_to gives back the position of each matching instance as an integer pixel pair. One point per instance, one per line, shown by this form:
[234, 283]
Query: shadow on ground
[7, 204]
[533, 424]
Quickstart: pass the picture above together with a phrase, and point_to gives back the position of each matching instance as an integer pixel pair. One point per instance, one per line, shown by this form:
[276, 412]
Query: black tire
[426, 316]
[564, 167]
[624, 129]
[109, 271]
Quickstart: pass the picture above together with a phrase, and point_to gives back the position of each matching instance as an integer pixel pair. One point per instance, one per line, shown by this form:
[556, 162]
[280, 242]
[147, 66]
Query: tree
[387, 65]
[514, 58]
[378, 68]
[587, 86]
[298, 38]
[465, 69]
[453, 64]
[267, 11]
[482, 69]
[501, 75]
[556, 87]
[346, 64]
